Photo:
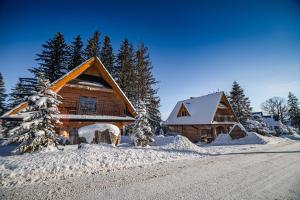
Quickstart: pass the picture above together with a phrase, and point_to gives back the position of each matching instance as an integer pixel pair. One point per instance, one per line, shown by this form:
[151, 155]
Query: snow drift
[251, 138]
[91, 158]
[177, 142]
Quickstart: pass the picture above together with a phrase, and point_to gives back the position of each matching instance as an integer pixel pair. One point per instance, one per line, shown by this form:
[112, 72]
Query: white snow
[88, 132]
[202, 110]
[91, 84]
[177, 142]
[52, 164]
[91, 158]
[251, 138]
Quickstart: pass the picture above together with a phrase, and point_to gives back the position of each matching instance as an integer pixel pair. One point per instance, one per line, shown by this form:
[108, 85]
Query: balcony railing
[72, 107]
[224, 118]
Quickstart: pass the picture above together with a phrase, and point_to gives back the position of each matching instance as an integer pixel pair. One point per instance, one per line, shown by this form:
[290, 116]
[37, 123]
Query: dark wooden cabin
[90, 95]
[202, 118]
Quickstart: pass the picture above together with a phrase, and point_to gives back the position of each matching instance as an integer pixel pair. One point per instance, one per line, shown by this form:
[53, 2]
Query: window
[88, 105]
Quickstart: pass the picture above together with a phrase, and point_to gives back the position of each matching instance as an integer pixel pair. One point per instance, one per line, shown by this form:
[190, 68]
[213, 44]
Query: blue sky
[196, 47]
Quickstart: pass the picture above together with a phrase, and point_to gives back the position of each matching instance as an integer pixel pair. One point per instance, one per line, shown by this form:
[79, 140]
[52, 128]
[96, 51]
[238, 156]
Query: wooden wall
[197, 133]
[108, 103]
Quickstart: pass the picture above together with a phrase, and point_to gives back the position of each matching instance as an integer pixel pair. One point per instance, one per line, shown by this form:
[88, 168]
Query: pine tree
[3, 95]
[154, 113]
[93, 46]
[293, 110]
[53, 59]
[240, 103]
[107, 57]
[126, 71]
[24, 88]
[145, 86]
[75, 53]
[141, 132]
[42, 114]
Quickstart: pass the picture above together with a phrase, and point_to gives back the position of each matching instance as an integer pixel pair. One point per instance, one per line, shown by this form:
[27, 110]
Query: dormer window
[183, 112]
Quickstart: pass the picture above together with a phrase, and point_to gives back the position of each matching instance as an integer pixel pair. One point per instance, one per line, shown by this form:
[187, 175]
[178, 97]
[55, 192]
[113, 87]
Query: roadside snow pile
[177, 142]
[258, 126]
[88, 132]
[294, 136]
[251, 138]
[90, 159]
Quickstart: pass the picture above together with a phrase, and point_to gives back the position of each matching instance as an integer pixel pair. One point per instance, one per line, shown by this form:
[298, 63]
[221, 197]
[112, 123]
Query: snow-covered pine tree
[3, 95]
[107, 57]
[24, 88]
[141, 132]
[293, 110]
[126, 78]
[53, 59]
[145, 87]
[93, 46]
[75, 53]
[42, 114]
[240, 103]
[154, 113]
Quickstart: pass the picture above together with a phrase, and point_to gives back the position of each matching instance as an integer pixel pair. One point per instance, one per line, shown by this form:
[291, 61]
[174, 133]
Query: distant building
[271, 121]
[202, 118]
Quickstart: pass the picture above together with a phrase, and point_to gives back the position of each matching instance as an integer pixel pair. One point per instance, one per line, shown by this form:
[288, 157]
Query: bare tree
[276, 106]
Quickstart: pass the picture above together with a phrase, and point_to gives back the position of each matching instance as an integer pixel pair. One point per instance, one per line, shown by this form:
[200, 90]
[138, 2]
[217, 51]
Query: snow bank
[251, 138]
[90, 159]
[177, 142]
[88, 132]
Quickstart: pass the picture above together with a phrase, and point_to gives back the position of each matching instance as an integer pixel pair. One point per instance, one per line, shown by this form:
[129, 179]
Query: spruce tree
[293, 110]
[107, 57]
[3, 95]
[52, 59]
[240, 103]
[42, 114]
[145, 85]
[25, 87]
[126, 71]
[141, 132]
[75, 53]
[93, 47]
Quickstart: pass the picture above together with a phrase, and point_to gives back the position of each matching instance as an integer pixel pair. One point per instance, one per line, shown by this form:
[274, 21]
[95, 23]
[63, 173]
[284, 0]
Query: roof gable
[183, 111]
[94, 61]
[202, 110]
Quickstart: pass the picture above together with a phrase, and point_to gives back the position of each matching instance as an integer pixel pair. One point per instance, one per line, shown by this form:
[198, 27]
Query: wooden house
[90, 95]
[202, 118]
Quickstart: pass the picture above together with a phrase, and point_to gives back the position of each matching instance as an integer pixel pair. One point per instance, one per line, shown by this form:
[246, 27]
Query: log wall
[108, 103]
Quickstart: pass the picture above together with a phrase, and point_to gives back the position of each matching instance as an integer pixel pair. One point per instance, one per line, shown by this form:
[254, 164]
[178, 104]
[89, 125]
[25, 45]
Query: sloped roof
[59, 83]
[202, 110]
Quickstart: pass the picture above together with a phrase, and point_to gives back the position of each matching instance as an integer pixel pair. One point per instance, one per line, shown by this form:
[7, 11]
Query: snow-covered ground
[91, 158]
[53, 164]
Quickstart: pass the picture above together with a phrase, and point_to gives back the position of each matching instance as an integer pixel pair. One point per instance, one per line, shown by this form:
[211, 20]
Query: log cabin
[202, 118]
[90, 95]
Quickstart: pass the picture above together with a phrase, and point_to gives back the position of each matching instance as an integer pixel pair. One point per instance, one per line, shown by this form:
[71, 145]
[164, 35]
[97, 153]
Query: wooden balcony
[108, 109]
[224, 118]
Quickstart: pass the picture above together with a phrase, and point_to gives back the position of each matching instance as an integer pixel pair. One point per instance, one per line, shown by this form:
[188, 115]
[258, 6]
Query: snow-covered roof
[202, 110]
